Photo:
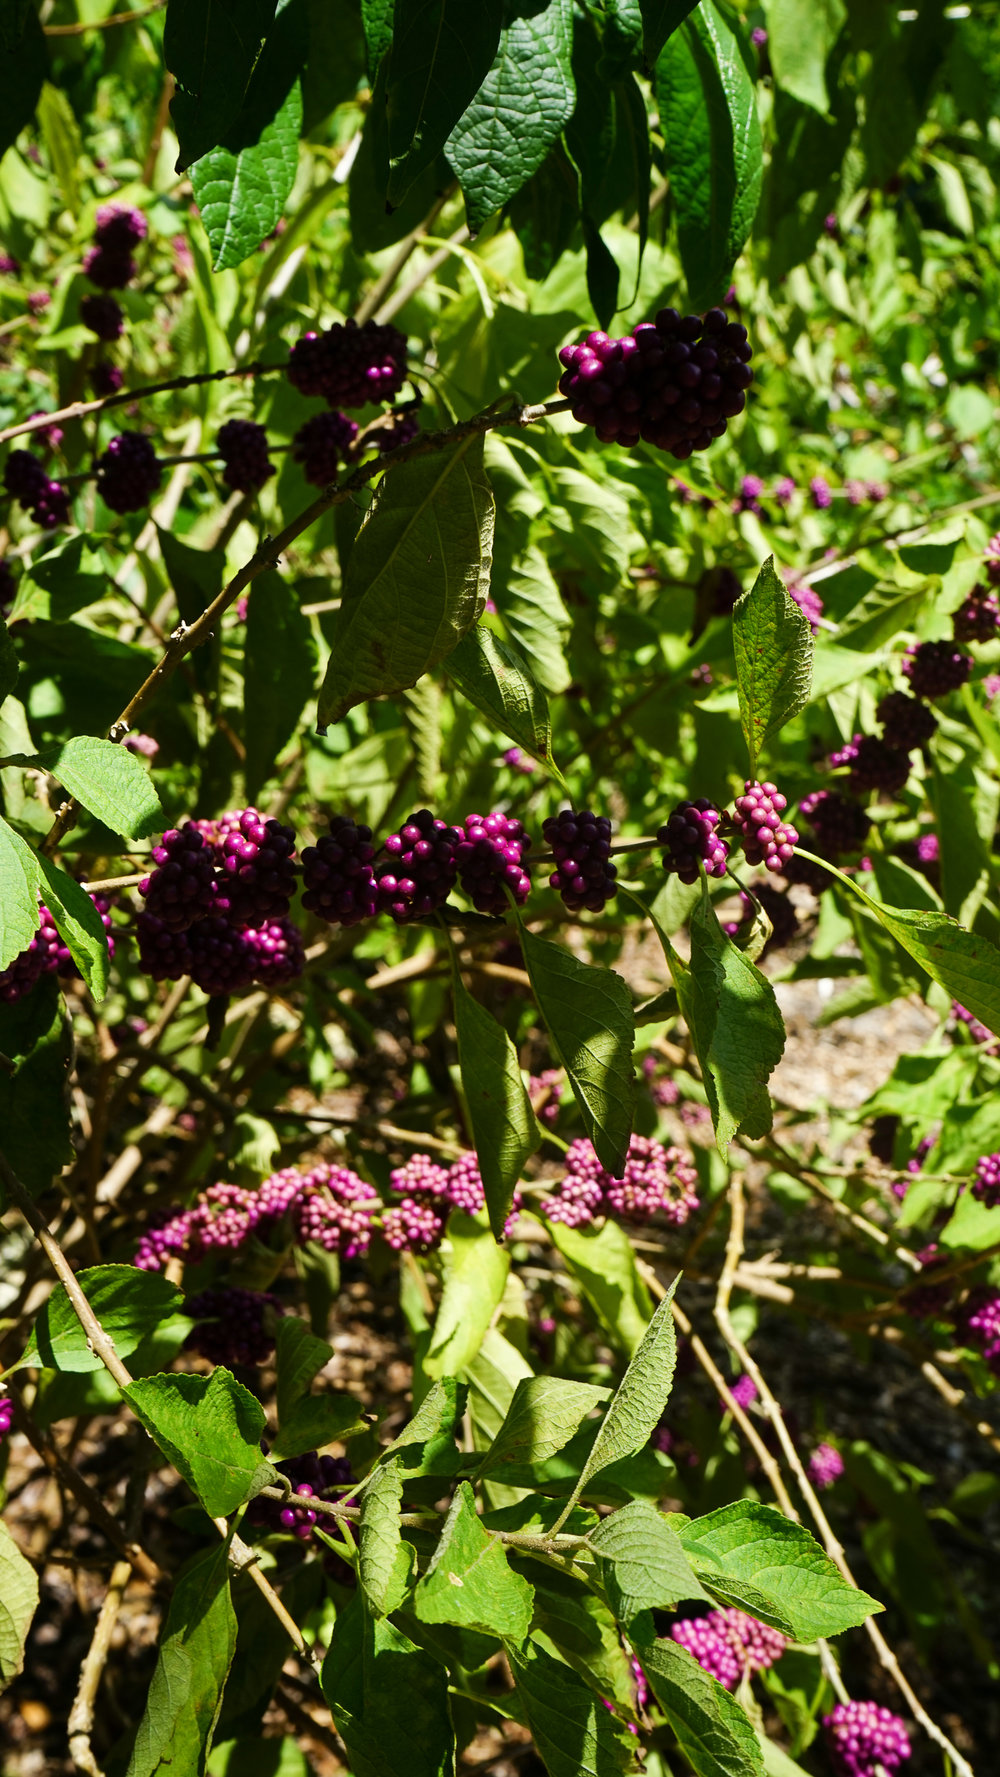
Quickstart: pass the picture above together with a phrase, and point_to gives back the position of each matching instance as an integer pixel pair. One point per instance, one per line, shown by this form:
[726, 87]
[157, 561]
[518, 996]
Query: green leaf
[518, 112]
[572, 1730]
[643, 1563]
[417, 578]
[376, 18]
[109, 781]
[8, 662]
[129, 1304]
[966, 802]
[468, 1580]
[78, 923]
[317, 1420]
[588, 1013]
[34, 1100]
[736, 1026]
[475, 1275]
[18, 1603]
[380, 1543]
[62, 139]
[801, 34]
[196, 1652]
[211, 47]
[660, 19]
[603, 1263]
[24, 63]
[242, 192]
[19, 891]
[442, 51]
[299, 1356]
[640, 1398]
[542, 1417]
[389, 1699]
[577, 1624]
[773, 648]
[756, 1545]
[209, 1427]
[713, 1732]
[504, 1127]
[431, 1431]
[498, 682]
[62, 581]
[708, 112]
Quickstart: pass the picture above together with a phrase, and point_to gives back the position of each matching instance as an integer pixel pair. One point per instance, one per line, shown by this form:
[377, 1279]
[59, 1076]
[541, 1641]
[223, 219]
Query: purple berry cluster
[821, 493]
[338, 875]
[690, 839]
[426, 1194]
[103, 315]
[109, 263]
[242, 445]
[978, 619]
[765, 837]
[328, 1204]
[809, 603]
[906, 722]
[181, 889]
[838, 822]
[26, 481]
[872, 764]
[977, 1030]
[744, 1391]
[421, 868]
[580, 842]
[314, 1477]
[254, 865]
[128, 472]
[826, 1465]
[232, 1326]
[931, 1296]
[729, 1644]
[986, 1184]
[935, 668]
[321, 444]
[865, 1740]
[46, 955]
[675, 383]
[979, 1323]
[348, 365]
[655, 1181]
[490, 859]
[6, 1415]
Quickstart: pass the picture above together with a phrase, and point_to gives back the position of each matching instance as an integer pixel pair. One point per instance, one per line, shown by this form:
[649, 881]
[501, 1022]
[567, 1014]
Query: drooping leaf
[196, 1652]
[316, 1420]
[643, 1562]
[8, 662]
[640, 1398]
[713, 1732]
[588, 1014]
[736, 1027]
[211, 47]
[542, 1417]
[708, 113]
[18, 1603]
[660, 19]
[469, 1581]
[757, 1545]
[504, 1126]
[603, 1263]
[475, 1275]
[506, 132]
[24, 63]
[19, 889]
[109, 781]
[773, 648]
[442, 51]
[380, 1542]
[498, 682]
[417, 578]
[78, 923]
[800, 36]
[389, 1699]
[299, 1356]
[129, 1304]
[209, 1427]
[573, 1731]
[37, 1036]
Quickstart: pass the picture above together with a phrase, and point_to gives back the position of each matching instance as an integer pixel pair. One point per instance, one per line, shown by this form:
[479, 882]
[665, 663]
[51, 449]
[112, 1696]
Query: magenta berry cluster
[865, 1740]
[254, 864]
[338, 874]
[765, 837]
[821, 493]
[979, 1323]
[491, 862]
[181, 889]
[545, 1091]
[327, 1204]
[986, 1184]
[675, 382]
[976, 1029]
[321, 444]
[102, 315]
[348, 365]
[655, 1181]
[991, 560]
[314, 1477]
[128, 472]
[935, 668]
[744, 1391]
[109, 263]
[580, 842]
[826, 1465]
[729, 1644]
[691, 840]
[6, 1415]
[242, 445]
[420, 869]
[839, 823]
[232, 1326]
[809, 603]
[46, 500]
[872, 764]
[906, 722]
[46, 955]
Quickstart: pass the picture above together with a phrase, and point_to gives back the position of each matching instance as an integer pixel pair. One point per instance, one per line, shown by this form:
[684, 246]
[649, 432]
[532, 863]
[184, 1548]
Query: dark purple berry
[182, 888]
[103, 316]
[40, 958]
[935, 668]
[491, 862]
[311, 1477]
[929, 1298]
[255, 866]
[105, 378]
[119, 228]
[232, 1326]
[322, 444]
[839, 823]
[979, 618]
[128, 473]
[279, 952]
[338, 874]
[906, 722]
[24, 477]
[420, 869]
[350, 365]
[873, 765]
[108, 268]
[581, 847]
[223, 959]
[979, 1323]
[164, 951]
[765, 838]
[782, 915]
[690, 840]
[242, 445]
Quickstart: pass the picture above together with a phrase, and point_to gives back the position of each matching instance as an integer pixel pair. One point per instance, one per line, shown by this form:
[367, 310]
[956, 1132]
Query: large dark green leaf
[129, 1304]
[497, 681]
[37, 1036]
[544, 1414]
[504, 1126]
[442, 51]
[639, 1400]
[196, 1652]
[573, 1731]
[279, 670]
[24, 63]
[518, 112]
[660, 19]
[209, 1427]
[417, 579]
[78, 923]
[109, 780]
[643, 1562]
[211, 48]
[708, 112]
[389, 1699]
[713, 1732]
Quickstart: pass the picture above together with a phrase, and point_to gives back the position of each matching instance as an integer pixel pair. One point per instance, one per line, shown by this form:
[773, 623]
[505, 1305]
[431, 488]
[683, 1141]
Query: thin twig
[77, 410]
[116, 18]
[81, 1717]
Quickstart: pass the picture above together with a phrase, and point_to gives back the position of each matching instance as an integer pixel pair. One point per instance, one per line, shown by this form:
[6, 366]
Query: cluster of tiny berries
[655, 1181]
[729, 1644]
[756, 818]
[675, 382]
[46, 955]
[935, 668]
[128, 472]
[581, 847]
[242, 445]
[348, 365]
[328, 1204]
[233, 1326]
[865, 1740]
[110, 264]
[6, 1414]
[979, 1323]
[826, 1465]
[315, 1477]
[692, 837]
[986, 1184]
[24, 478]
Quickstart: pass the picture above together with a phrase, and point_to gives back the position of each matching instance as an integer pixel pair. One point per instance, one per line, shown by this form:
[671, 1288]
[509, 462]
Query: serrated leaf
[442, 51]
[34, 1100]
[129, 1304]
[639, 1400]
[504, 1126]
[708, 113]
[78, 923]
[316, 1420]
[572, 1730]
[241, 191]
[542, 1417]
[660, 19]
[528, 95]
[498, 682]
[773, 648]
[469, 1581]
[19, 890]
[603, 1263]
[801, 34]
[211, 47]
[417, 578]
[8, 662]
[578, 1625]
[757, 1545]
[18, 1603]
[299, 1356]
[475, 1274]
[588, 1013]
[376, 19]
[209, 1427]
[713, 1732]
[380, 1540]
[196, 1652]
[736, 1026]
[389, 1699]
[108, 780]
[427, 1444]
[643, 1563]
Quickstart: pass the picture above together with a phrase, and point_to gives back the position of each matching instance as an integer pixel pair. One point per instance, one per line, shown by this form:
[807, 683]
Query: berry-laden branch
[268, 556]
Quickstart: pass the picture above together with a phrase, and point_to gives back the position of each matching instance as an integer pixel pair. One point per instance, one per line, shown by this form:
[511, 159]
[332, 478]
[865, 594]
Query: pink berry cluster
[729, 1644]
[491, 857]
[865, 1740]
[348, 878]
[744, 1391]
[756, 819]
[809, 603]
[232, 1326]
[986, 1184]
[675, 382]
[46, 955]
[655, 1181]
[692, 837]
[327, 1204]
[826, 1465]
[979, 1323]
[6, 1414]
[421, 867]
[426, 1194]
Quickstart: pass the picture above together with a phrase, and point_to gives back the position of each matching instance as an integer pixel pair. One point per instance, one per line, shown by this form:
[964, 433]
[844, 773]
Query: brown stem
[78, 409]
[116, 18]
